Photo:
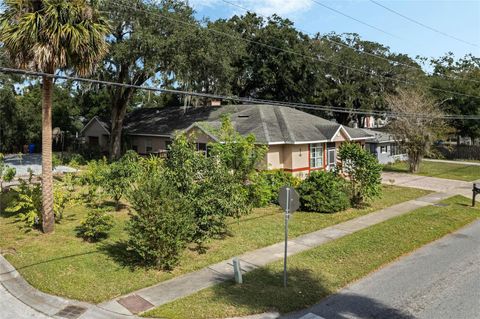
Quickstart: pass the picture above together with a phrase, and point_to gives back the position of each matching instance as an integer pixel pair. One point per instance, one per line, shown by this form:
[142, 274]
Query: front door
[331, 158]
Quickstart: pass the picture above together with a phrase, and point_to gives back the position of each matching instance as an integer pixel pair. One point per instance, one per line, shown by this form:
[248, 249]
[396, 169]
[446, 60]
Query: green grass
[321, 271]
[442, 170]
[64, 265]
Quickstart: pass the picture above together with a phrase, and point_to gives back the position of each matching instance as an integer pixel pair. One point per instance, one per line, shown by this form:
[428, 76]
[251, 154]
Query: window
[93, 140]
[148, 145]
[202, 148]
[395, 150]
[383, 149]
[316, 155]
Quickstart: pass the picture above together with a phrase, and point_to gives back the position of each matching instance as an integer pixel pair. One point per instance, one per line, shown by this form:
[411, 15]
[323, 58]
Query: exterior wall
[140, 143]
[275, 157]
[96, 131]
[384, 158]
[198, 136]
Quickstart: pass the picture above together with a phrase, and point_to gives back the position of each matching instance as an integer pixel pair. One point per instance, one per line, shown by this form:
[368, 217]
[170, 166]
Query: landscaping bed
[322, 271]
[65, 265]
[460, 172]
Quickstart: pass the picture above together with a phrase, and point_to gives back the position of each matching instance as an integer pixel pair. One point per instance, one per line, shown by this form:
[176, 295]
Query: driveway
[32, 161]
[440, 280]
[435, 184]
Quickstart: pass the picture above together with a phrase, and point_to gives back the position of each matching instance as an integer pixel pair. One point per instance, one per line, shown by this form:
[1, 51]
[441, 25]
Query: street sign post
[289, 200]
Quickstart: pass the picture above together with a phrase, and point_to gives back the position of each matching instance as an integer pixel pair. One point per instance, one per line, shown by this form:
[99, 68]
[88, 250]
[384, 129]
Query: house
[298, 142]
[96, 134]
[384, 147]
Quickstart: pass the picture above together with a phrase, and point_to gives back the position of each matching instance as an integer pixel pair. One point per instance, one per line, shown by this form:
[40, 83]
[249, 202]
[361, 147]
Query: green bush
[363, 172]
[266, 185]
[119, 175]
[96, 226]
[213, 189]
[161, 222]
[323, 192]
[27, 202]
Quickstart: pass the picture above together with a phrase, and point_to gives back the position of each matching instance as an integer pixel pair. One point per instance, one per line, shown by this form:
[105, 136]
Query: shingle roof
[269, 123]
[165, 121]
[272, 124]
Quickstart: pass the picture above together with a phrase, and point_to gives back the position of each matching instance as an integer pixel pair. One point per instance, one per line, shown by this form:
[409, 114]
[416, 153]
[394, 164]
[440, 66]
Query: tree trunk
[48, 218]
[118, 115]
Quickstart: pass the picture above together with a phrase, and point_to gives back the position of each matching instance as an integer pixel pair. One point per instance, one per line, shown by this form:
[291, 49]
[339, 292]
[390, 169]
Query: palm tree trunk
[48, 218]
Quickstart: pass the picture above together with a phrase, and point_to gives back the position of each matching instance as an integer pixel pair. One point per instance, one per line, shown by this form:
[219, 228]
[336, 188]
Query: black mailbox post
[475, 191]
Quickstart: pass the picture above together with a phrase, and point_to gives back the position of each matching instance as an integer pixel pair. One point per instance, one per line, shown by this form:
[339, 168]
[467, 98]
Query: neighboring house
[96, 133]
[298, 142]
[384, 147]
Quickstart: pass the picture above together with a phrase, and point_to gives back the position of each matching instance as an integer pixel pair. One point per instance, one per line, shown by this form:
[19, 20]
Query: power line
[225, 97]
[316, 58]
[353, 18]
[357, 50]
[422, 24]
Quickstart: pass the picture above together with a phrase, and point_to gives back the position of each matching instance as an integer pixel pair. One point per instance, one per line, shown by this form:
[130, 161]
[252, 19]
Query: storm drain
[71, 312]
[135, 304]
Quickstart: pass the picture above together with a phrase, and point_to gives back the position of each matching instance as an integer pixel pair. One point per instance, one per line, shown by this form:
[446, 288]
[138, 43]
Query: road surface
[439, 281]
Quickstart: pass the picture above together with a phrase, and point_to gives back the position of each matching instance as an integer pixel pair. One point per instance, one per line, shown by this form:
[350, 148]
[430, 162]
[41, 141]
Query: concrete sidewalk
[20, 300]
[188, 284]
[452, 162]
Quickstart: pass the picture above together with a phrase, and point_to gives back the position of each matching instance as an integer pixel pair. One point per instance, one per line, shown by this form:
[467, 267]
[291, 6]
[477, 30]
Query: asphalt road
[438, 281]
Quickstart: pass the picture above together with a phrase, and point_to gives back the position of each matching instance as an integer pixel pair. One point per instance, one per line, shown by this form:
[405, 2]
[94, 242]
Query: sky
[459, 19]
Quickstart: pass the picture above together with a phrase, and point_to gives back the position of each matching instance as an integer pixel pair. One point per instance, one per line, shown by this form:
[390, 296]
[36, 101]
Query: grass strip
[459, 171]
[322, 271]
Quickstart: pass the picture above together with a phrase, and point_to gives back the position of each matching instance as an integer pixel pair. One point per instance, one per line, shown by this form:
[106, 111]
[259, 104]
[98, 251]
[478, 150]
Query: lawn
[64, 265]
[321, 271]
[461, 172]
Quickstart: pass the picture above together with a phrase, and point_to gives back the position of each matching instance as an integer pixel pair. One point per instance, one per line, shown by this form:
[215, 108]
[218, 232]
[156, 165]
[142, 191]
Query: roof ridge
[283, 121]
[264, 125]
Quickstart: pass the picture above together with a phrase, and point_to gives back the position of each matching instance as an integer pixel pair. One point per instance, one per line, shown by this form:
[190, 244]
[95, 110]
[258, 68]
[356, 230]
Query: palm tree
[46, 36]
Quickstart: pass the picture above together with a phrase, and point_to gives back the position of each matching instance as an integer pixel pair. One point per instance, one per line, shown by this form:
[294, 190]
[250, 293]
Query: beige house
[298, 142]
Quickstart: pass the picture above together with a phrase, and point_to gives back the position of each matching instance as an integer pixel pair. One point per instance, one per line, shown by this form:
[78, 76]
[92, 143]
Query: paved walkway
[19, 300]
[450, 186]
[452, 162]
[188, 284]
[33, 162]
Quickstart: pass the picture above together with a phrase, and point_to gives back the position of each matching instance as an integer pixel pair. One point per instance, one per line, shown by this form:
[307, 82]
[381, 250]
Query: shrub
[267, 184]
[119, 175]
[96, 226]
[323, 192]
[6, 175]
[27, 202]
[212, 188]
[92, 177]
[161, 223]
[362, 170]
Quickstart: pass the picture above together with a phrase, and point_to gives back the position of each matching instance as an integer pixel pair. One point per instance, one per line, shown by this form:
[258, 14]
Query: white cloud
[263, 7]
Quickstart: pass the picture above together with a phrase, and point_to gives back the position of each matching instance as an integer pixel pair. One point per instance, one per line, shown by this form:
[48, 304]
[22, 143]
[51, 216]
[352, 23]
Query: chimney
[215, 103]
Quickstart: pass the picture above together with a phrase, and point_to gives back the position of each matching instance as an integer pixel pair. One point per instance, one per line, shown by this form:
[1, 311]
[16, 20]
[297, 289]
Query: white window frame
[381, 149]
[316, 155]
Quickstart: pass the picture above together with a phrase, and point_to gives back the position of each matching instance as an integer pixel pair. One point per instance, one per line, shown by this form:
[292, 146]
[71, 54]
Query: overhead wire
[227, 97]
[317, 58]
[423, 24]
[326, 38]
